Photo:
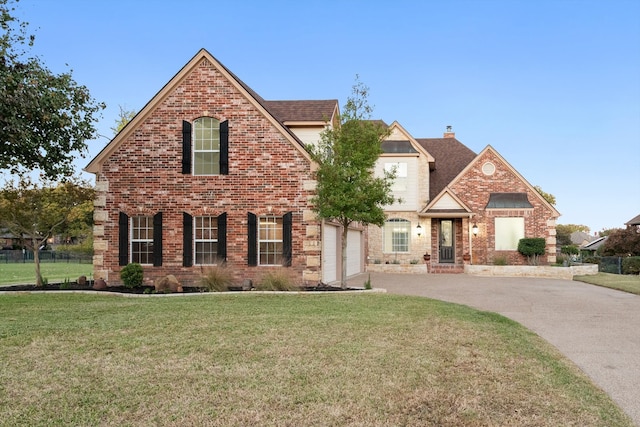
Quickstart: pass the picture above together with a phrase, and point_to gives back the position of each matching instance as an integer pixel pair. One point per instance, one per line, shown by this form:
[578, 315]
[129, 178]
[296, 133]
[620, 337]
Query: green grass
[281, 360]
[622, 282]
[19, 273]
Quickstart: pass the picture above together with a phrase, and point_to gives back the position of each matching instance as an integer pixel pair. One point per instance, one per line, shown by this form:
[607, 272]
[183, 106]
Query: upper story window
[206, 146]
[401, 171]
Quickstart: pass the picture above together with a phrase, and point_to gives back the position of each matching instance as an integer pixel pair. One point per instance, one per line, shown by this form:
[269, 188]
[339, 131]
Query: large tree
[45, 119]
[37, 212]
[347, 190]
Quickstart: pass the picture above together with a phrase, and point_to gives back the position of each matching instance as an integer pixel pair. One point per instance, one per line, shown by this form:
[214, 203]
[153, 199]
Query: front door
[446, 250]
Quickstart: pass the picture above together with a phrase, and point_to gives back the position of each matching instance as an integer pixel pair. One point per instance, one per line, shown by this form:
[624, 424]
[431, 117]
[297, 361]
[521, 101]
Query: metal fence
[610, 264]
[25, 256]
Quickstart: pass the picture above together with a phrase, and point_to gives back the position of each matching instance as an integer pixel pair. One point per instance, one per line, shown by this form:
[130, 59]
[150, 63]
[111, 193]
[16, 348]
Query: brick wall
[474, 189]
[267, 175]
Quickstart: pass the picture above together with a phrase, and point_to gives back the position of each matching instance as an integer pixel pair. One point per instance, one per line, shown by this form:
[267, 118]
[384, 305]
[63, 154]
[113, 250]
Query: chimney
[449, 133]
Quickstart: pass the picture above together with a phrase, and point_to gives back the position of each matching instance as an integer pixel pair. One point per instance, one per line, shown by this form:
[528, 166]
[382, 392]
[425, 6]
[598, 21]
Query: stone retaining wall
[543, 271]
[398, 268]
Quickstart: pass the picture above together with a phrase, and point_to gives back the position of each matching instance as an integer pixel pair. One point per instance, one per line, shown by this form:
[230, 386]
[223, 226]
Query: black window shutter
[187, 239]
[123, 239]
[287, 238]
[157, 239]
[186, 147]
[222, 237]
[252, 253]
[224, 148]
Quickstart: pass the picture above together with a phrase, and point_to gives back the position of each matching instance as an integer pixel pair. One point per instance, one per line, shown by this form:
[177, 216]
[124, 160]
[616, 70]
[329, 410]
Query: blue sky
[554, 86]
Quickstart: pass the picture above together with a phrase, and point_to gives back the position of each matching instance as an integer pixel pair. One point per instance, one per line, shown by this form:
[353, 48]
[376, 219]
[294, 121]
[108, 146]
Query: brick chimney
[449, 133]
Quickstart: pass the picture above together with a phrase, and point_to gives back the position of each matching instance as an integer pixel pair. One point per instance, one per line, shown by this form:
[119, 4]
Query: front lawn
[281, 360]
[20, 273]
[622, 282]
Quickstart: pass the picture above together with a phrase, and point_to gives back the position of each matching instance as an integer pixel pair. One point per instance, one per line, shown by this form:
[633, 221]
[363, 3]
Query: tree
[124, 117]
[45, 119]
[37, 212]
[622, 242]
[550, 198]
[347, 190]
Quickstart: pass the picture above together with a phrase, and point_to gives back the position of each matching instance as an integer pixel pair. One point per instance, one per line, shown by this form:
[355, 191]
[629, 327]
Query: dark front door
[446, 241]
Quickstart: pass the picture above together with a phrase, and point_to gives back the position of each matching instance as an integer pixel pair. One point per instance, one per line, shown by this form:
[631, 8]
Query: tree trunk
[343, 279]
[36, 261]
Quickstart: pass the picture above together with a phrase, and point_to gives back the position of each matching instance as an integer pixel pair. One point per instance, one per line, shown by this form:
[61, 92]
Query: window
[396, 235]
[508, 232]
[142, 239]
[206, 146]
[270, 240]
[206, 240]
[400, 181]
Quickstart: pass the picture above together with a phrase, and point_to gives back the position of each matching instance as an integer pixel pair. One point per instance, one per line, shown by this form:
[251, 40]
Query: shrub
[631, 265]
[532, 248]
[277, 280]
[500, 260]
[217, 279]
[591, 260]
[132, 275]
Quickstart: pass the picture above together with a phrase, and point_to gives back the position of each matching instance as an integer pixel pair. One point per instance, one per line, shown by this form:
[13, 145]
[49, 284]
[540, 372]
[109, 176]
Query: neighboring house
[457, 205]
[580, 238]
[207, 173]
[590, 249]
[635, 221]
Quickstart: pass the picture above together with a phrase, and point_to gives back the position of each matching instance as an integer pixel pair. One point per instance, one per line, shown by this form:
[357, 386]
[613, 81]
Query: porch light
[474, 229]
[419, 230]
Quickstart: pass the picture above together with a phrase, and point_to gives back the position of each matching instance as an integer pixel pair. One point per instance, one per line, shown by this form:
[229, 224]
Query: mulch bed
[143, 289]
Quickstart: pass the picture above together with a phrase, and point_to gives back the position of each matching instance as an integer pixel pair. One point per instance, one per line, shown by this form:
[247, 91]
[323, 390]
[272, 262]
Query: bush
[500, 260]
[278, 280]
[591, 260]
[132, 275]
[532, 248]
[217, 279]
[631, 265]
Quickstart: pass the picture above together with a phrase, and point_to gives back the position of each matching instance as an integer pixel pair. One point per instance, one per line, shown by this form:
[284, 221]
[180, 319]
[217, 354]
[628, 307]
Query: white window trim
[196, 240]
[132, 240]
[195, 150]
[275, 218]
[391, 222]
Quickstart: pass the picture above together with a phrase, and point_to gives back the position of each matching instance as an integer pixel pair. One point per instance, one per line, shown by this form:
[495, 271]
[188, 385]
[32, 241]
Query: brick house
[457, 206]
[209, 172]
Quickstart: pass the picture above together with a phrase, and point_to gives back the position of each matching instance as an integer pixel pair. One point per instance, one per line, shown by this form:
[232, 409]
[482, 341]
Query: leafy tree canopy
[550, 198]
[563, 232]
[124, 117]
[45, 119]
[623, 242]
[347, 190]
[36, 212]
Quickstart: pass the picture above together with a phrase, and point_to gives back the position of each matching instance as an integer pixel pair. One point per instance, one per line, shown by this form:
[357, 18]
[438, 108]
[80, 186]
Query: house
[210, 173]
[456, 206]
[207, 173]
[635, 221]
[591, 248]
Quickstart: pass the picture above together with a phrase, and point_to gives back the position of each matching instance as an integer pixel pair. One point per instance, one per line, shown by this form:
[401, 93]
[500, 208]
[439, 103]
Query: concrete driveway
[597, 328]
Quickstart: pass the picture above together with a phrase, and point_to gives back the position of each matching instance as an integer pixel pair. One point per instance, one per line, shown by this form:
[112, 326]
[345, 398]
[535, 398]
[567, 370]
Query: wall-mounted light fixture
[474, 229]
[419, 230]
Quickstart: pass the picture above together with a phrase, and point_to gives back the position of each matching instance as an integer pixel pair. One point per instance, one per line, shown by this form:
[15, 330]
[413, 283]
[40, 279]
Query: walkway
[597, 328]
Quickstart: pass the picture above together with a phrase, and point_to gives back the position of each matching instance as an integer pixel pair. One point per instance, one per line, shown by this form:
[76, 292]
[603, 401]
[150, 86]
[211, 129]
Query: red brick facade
[473, 187]
[140, 174]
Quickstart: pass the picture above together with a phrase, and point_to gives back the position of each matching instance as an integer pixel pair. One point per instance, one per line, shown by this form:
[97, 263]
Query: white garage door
[354, 252]
[330, 254]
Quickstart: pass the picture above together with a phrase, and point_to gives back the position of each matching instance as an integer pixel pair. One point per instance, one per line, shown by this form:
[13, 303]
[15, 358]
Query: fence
[610, 264]
[24, 256]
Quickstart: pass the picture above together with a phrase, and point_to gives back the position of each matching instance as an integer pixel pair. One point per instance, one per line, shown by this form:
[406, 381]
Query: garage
[330, 253]
[354, 252]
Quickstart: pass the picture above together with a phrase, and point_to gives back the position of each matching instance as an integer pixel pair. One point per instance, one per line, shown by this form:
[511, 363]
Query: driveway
[597, 328]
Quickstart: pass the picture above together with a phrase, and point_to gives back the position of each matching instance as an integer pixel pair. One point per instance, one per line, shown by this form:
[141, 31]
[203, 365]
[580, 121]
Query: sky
[552, 85]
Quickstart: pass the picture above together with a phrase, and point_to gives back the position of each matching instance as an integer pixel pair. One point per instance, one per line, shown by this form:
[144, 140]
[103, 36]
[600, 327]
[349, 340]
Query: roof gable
[446, 204]
[517, 174]
[400, 141]
[167, 89]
